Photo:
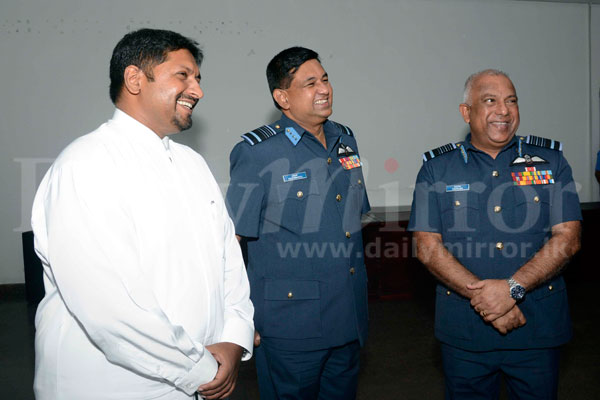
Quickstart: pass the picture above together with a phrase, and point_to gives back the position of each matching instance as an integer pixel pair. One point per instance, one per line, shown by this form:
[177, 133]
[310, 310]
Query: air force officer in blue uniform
[296, 195]
[495, 218]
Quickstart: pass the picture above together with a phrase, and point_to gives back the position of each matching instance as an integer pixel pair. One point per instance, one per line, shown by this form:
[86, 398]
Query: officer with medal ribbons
[296, 196]
[495, 219]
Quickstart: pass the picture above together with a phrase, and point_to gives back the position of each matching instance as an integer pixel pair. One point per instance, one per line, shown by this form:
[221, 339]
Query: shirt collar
[140, 132]
[136, 128]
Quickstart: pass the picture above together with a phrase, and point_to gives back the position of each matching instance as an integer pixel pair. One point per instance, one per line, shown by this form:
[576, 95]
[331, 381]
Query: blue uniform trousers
[529, 374]
[328, 374]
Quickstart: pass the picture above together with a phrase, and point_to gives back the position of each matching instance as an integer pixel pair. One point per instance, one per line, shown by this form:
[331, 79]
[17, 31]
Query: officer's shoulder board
[343, 128]
[542, 142]
[259, 134]
[428, 155]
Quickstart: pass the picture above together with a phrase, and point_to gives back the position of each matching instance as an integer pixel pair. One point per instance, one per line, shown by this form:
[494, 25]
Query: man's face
[168, 99]
[493, 114]
[310, 95]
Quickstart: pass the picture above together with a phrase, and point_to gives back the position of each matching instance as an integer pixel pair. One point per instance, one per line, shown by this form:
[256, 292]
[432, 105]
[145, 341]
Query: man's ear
[133, 79]
[465, 111]
[280, 96]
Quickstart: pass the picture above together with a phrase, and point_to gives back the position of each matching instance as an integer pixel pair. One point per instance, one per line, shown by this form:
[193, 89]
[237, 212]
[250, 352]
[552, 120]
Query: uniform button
[457, 203]
[348, 235]
[352, 271]
[550, 287]
[329, 160]
[299, 194]
[499, 245]
[536, 199]
[359, 182]
[277, 127]
[290, 295]
[338, 197]
[447, 293]
[495, 174]
[497, 209]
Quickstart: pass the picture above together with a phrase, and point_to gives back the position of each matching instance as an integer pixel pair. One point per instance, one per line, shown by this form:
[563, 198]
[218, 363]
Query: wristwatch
[517, 291]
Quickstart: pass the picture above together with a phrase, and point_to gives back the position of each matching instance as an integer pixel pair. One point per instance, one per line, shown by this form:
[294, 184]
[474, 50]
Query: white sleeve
[239, 311]
[93, 255]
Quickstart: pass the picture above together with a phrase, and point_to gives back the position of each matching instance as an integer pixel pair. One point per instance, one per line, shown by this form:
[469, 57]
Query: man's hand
[509, 321]
[228, 355]
[492, 298]
[256, 338]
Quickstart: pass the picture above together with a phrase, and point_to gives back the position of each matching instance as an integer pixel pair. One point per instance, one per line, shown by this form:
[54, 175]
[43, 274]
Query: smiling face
[493, 114]
[308, 100]
[167, 98]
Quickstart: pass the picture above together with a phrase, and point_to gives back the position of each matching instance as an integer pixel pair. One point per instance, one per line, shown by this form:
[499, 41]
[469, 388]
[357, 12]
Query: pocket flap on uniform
[291, 290]
[297, 190]
[459, 200]
[531, 194]
[549, 288]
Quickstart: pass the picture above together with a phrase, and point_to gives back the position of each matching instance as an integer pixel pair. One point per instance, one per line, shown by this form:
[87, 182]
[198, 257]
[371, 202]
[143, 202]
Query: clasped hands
[491, 299]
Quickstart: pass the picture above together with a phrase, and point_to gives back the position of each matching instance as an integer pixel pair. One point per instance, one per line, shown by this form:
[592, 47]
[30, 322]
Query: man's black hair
[146, 48]
[283, 66]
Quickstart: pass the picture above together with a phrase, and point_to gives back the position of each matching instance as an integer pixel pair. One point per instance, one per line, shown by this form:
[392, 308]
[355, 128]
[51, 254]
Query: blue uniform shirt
[300, 205]
[494, 215]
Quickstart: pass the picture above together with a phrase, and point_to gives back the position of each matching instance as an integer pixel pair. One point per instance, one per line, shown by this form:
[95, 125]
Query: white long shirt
[141, 269]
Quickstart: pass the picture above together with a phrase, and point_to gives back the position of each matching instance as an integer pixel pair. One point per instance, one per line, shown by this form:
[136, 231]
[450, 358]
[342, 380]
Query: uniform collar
[295, 132]
[467, 145]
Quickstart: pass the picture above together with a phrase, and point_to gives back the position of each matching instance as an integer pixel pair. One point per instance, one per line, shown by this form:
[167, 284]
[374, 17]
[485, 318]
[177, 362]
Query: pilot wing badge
[527, 160]
[345, 150]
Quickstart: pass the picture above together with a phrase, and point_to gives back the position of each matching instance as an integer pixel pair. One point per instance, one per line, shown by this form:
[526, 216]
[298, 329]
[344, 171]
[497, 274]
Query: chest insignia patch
[528, 160]
[532, 177]
[294, 177]
[457, 188]
[350, 162]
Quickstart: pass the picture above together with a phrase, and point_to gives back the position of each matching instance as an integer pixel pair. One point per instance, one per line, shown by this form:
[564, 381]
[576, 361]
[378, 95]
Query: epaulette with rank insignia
[259, 134]
[428, 155]
[543, 142]
[344, 129]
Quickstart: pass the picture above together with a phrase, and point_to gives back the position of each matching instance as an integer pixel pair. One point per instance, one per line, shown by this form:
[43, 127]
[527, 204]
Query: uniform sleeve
[425, 213]
[239, 312]
[565, 201]
[598, 161]
[366, 206]
[91, 247]
[246, 192]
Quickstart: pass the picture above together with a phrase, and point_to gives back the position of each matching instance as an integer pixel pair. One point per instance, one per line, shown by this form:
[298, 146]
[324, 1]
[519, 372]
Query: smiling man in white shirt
[146, 292]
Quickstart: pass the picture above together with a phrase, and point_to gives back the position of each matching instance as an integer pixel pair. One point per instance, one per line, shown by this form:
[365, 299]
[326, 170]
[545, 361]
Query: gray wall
[397, 68]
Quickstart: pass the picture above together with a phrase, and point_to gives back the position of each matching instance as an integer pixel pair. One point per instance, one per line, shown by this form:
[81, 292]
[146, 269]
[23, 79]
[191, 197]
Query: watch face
[517, 292]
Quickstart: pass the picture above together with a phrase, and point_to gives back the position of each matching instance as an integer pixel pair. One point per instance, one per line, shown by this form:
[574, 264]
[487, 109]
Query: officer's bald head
[470, 82]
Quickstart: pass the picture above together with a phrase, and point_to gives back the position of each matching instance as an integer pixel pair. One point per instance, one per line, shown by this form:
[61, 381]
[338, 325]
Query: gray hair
[472, 78]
